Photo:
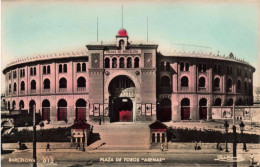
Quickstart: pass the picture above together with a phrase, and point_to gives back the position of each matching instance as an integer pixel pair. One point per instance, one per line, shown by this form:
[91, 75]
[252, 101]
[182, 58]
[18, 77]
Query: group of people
[197, 147]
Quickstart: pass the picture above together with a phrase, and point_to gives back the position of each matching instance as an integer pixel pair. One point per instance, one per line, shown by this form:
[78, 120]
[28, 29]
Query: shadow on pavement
[6, 151]
[94, 138]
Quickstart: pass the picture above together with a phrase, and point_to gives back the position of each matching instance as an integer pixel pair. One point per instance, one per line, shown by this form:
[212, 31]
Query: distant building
[257, 95]
[125, 81]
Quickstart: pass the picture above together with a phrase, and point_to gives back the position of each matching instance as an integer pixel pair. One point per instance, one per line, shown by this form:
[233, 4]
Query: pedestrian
[19, 145]
[48, 147]
[196, 145]
[78, 146]
[244, 147]
[162, 147]
[99, 120]
[252, 159]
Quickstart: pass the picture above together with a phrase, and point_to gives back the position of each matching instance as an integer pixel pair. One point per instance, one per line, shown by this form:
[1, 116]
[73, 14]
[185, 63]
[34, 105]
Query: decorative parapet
[175, 53]
[47, 57]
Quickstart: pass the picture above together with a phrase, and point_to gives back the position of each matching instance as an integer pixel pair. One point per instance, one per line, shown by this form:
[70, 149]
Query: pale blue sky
[32, 28]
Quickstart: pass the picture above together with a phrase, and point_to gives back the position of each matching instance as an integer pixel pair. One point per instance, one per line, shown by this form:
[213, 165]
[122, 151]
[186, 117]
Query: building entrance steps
[122, 136]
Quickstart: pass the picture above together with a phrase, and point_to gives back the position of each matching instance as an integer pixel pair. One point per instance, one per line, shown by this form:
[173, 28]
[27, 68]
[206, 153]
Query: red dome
[122, 33]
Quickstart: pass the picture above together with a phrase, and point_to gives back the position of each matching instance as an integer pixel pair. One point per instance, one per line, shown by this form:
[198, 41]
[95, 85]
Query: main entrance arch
[122, 99]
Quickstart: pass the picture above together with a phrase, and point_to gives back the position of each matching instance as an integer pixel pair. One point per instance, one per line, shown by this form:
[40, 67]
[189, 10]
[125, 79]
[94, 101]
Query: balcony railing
[216, 89]
[22, 92]
[81, 89]
[33, 91]
[62, 89]
[202, 89]
[184, 88]
[46, 91]
[15, 92]
[229, 89]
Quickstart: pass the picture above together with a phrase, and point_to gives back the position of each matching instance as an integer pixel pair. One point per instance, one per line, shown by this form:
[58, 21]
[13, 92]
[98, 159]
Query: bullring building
[127, 82]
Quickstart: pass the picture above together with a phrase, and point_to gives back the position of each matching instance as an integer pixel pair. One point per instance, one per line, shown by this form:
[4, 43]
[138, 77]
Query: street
[74, 159]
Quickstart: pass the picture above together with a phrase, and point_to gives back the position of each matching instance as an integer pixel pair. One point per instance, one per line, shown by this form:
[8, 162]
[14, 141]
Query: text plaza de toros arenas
[127, 82]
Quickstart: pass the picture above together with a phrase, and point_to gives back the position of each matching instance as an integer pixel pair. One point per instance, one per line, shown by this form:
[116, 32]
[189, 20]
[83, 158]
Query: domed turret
[122, 33]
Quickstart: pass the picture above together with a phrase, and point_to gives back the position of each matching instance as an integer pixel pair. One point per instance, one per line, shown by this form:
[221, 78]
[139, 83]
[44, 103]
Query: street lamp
[242, 128]
[226, 125]
[83, 141]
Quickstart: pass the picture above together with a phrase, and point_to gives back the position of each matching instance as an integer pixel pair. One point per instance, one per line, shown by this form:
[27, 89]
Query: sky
[30, 28]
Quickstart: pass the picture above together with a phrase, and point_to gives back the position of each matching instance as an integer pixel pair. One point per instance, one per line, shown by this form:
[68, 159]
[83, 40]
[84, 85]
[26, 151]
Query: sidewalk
[176, 151]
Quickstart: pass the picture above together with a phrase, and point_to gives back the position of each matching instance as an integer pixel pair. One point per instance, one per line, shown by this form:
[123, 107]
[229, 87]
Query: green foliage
[46, 135]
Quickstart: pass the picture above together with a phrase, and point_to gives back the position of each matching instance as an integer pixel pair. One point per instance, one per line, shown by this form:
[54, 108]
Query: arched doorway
[203, 108]
[80, 110]
[185, 109]
[31, 104]
[46, 110]
[62, 110]
[165, 110]
[122, 94]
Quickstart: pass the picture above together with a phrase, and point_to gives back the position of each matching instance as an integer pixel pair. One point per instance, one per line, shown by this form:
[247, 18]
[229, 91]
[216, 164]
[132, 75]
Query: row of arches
[164, 112]
[166, 82]
[62, 105]
[81, 83]
[122, 63]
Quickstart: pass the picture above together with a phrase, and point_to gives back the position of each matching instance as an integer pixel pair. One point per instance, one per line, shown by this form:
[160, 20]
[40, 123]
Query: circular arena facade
[127, 82]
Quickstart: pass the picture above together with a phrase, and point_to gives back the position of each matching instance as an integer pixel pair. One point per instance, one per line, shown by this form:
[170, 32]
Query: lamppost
[83, 141]
[242, 128]
[226, 125]
[34, 138]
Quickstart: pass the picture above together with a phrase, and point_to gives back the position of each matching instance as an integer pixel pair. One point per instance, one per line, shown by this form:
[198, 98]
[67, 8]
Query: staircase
[122, 136]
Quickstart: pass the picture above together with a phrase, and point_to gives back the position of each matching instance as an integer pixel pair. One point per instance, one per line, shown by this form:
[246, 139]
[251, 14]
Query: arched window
[13, 105]
[162, 66]
[158, 137]
[60, 68]
[239, 102]
[114, 63]
[200, 68]
[34, 71]
[44, 70]
[204, 68]
[121, 62]
[22, 86]
[230, 102]
[165, 81]
[184, 81]
[31, 71]
[65, 68]
[229, 85]
[84, 68]
[15, 87]
[62, 110]
[238, 85]
[136, 62]
[31, 106]
[46, 109]
[168, 66]
[129, 62]
[185, 109]
[63, 83]
[33, 85]
[8, 105]
[107, 62]
[245, 85]
[182, 66]
[48, 69]
[46, 84]
[81, 82]
[78, 67]
[216, 82]
[202, 82]
[187, 67]
[21, 104]
[217, 102]
[23, 72]
[10, 88]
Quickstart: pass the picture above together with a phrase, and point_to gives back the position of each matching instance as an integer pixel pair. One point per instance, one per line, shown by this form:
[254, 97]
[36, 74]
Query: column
[193, 79]
[210, 80]
[194, 108]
